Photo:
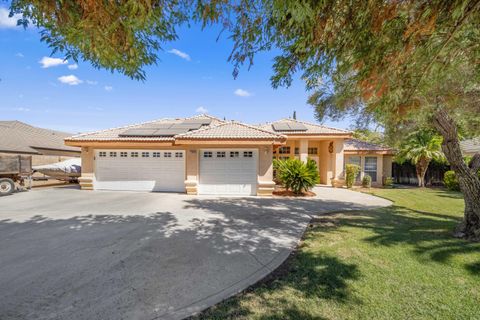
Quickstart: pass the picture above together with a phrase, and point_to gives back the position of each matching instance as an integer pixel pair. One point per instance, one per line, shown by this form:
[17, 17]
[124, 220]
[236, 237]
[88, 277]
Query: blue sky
[192, 76]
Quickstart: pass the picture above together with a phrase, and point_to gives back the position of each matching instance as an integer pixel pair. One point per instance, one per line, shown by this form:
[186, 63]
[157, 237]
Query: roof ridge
[371, 143]
[223, 123]
[316, 124]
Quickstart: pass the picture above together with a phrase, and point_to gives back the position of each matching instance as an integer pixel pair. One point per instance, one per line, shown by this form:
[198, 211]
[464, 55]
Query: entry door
[228, 172]
[140, 170]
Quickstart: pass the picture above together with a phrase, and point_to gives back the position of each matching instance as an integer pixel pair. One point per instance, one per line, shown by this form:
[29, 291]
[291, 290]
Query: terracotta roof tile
[312, 128]
[359, 145]
[231, 130]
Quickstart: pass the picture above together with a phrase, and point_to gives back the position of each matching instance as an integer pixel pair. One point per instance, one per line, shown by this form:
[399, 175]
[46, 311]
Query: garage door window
[234, 154]
[207, 154]
[167, 154]
[123, 154]
[134, 154]
[102, 154]
[178, 155]
[145, 154]
[113, 154]
[156, 154]
[248, 154]
[220, 154]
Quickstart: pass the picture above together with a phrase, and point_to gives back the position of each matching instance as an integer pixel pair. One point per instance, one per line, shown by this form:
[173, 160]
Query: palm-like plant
[420, 148]
[297, 175]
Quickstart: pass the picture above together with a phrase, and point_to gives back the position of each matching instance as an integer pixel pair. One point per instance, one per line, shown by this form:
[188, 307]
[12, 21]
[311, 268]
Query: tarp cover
[70, 168]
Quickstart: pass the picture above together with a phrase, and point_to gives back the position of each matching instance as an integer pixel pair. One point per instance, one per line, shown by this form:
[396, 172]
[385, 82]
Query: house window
[248, 154]
[355, 160]
[284, 150]
[312, 151]
[156, 154]
[283, 158]
[134, 154]
[123, 154]
[297, 150]
[234, 154]
[370, 167]
[102, 154]
[145, 154]
[167, 154]
[178, 155]
[220, 154]
[207, 154]
[113, 154]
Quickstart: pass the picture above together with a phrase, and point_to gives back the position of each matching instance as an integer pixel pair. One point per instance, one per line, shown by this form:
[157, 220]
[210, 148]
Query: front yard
[393, 263]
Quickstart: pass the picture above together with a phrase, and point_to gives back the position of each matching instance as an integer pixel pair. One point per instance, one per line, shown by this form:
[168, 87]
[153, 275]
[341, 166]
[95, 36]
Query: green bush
[450, 180]
[388, 182]
[367, 181]
[296, 175]
[351, 173]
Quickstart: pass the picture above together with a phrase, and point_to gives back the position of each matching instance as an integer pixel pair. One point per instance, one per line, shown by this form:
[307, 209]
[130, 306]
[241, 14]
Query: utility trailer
[14, 170]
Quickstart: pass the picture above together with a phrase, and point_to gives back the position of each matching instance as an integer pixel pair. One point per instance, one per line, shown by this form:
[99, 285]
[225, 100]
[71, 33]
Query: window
[102, 154]
[167, 154]
[355, 160]
[156, 154]
[312, 151]
[283, 158]
[113, 154]
[220, 154]
[123, 154]
[134, 154]
[297, 150]
[178, 154]
[145, 154]
[234, 154]
[247, 154]
[370, 167]
[284, 150]
[207, 154]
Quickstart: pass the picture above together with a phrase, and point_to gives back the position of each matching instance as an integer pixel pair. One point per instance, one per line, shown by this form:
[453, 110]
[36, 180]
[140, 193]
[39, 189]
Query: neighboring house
[204, 155]
[470, 147]
[44, 145]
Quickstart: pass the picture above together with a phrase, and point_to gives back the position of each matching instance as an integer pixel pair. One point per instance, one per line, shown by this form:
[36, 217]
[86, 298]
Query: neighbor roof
[470, 146]
[311, 128]
[20, 137]
[359, 145]
[231, 131]
[114, 134]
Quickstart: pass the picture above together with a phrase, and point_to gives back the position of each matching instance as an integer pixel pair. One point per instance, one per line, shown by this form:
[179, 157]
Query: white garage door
[228, 171]
[140, 170]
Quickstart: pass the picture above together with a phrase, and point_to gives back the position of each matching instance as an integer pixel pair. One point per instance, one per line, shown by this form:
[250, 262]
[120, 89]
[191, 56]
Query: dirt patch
[281, 192]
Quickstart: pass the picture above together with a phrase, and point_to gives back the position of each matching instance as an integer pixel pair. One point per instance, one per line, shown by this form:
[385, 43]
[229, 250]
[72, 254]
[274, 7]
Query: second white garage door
[228, 172]
[140, 170]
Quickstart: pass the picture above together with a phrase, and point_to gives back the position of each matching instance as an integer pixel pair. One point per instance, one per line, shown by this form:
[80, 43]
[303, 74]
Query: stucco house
[207, 155]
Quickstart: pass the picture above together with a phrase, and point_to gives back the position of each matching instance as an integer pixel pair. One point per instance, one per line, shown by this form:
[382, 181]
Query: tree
[295, 115]
[368, 135]
[420, 148]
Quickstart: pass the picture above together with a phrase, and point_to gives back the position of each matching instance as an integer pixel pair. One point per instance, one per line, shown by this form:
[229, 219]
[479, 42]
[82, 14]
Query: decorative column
[303, 149]
[87, 177]
[191, 182]
[265, 184]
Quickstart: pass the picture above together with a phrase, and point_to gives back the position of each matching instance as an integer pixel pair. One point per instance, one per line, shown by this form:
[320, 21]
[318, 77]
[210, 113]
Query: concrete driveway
[72, 254]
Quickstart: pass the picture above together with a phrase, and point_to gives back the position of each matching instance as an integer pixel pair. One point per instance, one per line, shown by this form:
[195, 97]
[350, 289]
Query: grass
[393, 263]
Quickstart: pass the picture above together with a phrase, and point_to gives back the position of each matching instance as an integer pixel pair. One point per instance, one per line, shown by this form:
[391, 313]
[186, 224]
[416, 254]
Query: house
[470, 147]
[44, 145]
[206, 155]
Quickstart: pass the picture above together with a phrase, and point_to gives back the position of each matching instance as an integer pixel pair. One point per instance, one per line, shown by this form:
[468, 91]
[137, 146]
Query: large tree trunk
[467, 177]
[421, 169]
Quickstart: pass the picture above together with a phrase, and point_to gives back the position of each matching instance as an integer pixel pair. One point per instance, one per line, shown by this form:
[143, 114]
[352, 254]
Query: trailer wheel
[7, 186]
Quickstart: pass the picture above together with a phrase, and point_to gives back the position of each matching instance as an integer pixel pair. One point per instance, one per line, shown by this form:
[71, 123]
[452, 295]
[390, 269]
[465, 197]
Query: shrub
[388, 182]
[296, 175]
[450, 180]
[351, 173]
[367, 181]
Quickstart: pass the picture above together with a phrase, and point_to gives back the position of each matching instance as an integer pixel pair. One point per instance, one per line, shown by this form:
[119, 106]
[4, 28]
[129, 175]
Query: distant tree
[295, 115]
[420, 148]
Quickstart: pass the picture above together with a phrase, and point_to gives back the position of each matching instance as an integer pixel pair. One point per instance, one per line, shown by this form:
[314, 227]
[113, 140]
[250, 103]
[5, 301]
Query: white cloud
[242, 93]
[6, 21]
[70, 80]
[108, 88]
[48, 62]
[19, 55]
[73, 66]
[180, 54]
[91, 82]
[201, 110]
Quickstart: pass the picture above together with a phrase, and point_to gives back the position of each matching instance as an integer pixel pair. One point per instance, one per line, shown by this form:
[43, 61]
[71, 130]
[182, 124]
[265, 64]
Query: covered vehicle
[68, 170]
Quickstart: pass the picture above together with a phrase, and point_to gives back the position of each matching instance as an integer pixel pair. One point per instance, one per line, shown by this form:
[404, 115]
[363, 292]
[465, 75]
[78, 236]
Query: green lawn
[394, 263]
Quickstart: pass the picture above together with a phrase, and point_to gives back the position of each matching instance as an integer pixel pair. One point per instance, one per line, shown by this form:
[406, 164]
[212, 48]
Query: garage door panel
[228, 175]
[140, 173]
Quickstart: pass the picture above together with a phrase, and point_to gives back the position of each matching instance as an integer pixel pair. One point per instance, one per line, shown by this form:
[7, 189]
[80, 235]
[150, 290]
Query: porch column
[191, 182]
[86, 179]
[265, 182]
[338, 159]
[303, 149]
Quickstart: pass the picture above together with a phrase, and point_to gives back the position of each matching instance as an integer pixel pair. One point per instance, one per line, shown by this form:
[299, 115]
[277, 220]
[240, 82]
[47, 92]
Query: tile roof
[231, 130]
[470, 146]
[359, 145]
[20, 137]
[113, 134]
[312, 128]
